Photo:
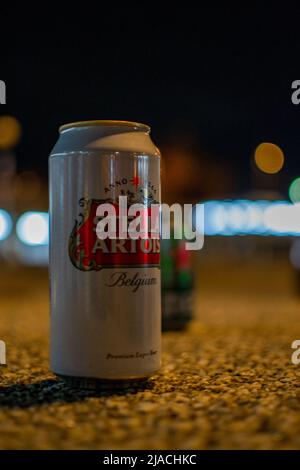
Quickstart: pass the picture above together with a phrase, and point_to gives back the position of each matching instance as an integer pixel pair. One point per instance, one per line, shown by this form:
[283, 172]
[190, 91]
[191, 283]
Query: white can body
[105, 303]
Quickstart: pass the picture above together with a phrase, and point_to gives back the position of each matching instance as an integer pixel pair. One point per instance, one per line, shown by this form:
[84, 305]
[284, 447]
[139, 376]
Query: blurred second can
[177, 284]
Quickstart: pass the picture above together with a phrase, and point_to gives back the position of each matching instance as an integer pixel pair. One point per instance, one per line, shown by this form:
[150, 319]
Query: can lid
[134, 125]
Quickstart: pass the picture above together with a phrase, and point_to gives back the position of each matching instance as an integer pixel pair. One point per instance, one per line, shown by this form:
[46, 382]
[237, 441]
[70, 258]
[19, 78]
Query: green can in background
[177, 284]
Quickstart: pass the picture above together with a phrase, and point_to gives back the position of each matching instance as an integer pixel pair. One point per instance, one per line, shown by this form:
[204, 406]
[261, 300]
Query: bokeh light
[6, 224]
[214, 218]
[269, 158]
[294, 190]
[245, 217]
[10, 132]
[33, 228]
[236, 220]
[282, 218]
[255, 216]
[237, 217]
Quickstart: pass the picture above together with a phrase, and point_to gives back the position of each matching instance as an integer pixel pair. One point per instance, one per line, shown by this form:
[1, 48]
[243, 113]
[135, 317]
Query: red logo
[87, 252]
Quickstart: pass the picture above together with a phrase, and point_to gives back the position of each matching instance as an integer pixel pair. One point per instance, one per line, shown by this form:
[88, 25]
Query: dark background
[212, 81]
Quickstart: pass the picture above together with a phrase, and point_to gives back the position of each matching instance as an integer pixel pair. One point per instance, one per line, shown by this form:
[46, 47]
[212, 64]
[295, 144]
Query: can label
[87, 252]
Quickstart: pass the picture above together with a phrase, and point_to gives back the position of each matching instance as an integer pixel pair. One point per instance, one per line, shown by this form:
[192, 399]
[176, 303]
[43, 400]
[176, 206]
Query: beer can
[105, 294]
[177, 284]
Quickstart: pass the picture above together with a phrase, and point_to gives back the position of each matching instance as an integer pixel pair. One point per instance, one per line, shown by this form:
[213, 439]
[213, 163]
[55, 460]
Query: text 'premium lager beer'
[105, 293]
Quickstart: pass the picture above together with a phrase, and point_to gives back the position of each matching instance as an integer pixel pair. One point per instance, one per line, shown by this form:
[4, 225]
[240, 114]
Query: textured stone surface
[227, 382]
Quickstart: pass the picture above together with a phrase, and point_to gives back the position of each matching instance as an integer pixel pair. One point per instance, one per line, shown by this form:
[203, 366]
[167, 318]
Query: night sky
[220, 78]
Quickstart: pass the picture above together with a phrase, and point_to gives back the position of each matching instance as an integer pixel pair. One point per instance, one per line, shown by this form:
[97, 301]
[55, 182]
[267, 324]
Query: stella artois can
[105, 293]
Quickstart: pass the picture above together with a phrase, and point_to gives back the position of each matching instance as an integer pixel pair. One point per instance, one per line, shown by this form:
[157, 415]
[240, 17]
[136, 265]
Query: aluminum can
[105, 294]
[177, 285]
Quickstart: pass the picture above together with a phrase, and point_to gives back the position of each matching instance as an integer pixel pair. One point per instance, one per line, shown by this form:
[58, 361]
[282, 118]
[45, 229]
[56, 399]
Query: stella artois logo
[87, 252]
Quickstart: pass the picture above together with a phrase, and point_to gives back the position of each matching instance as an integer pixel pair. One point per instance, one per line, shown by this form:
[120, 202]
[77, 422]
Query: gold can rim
[103, 122]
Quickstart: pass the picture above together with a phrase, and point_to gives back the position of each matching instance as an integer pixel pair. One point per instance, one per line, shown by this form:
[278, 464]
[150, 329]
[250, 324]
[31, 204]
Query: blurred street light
[10, 132]
[294, 190]
[6, 224]
[269, 158]
[32, 228]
